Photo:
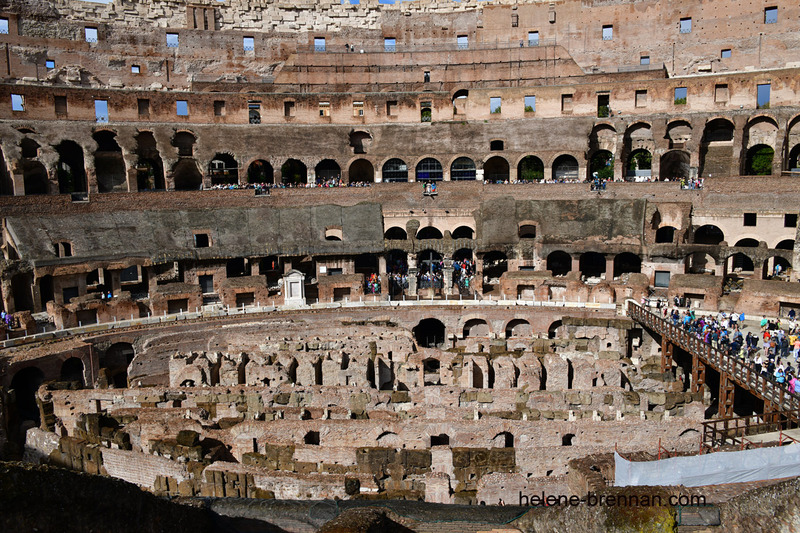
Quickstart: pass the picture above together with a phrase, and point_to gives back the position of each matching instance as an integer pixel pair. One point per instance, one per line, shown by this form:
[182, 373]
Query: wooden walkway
[733, 372]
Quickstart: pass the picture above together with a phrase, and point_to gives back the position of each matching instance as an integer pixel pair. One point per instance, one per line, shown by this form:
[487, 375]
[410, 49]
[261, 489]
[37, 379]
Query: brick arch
[457, 156]
[522, 156]
[473, 316]
[768, 117]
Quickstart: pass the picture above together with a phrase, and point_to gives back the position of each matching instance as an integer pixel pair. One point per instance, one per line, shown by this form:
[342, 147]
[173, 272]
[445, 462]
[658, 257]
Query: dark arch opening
[787, 244]
[186, 176]
[496, 170]
[747, 243]
[25, 383]
[395, 234]
[708, 234]
[740, 262]
[665, 234]
[109, 164]
[793, 163]
[223, 169]
[429, 333]
[495, 264]
[115, 362]
[530, 168]
[639, 165]
[506, 438]
[592, 264]
[326, 170]
[72, 370]
[30, 148]
[462, 254]
[463, 232]
[565, 168]
[626, 263]
[70, 168]
[294, 172]
[518, 328]
[559, 263]
[429, 169]
[601, 166]
[476, 327]
[462, 169]
[34, 176]
[149, 167]
[527, 231]
[429, 232]
[758, 161]
[260, 171]
[184, 142]
[568, 439]
[675, 165]
[440, 440]
[552, 331]
[395, 170]
[361, 171]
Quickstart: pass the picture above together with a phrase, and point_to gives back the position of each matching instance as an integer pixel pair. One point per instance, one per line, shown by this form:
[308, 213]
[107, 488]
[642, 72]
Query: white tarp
[711, 468]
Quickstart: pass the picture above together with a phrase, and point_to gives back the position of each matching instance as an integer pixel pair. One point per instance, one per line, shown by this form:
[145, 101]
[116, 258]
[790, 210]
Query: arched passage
[518, 328]
[361, 171]
[260, 171]
[601, 166]
[495, 264]
[34, 177]
[496, 170]
[625, 263]
[674, 166]
[327, 170]
[639, 165]
[149, 166]
[747, 243]
[463, 232]
[395, 170]
[223, 170]
[462, 169]
[793, 162]
[758, 161]
[503, 440]
[559, 263]
[72, 370]
[787, 244]
[395, 234]
[592, 264]
[716, 148]
[429, 333]
[553, 330]
[108, 163]
[665, 234]
[708, 234]
[70, 168]
[775, 267]
[114, 364]
[294, 172]
[429, 232]
[739, 262]
[25, 383]
[476, 327]
[530, 168]
[186, 176]
[429, 169]
[565, 168]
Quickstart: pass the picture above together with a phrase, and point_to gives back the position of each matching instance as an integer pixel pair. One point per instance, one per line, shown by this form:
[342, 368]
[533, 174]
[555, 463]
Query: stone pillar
[548, 173]
[445, 173]
[381, 264]
[311, 176]
[112, 280]
[8, 295]
[609, 268]
[512, 174]
[781, 153]
[255, 266]
[576, 264]
[478, 174]
[294, 292]
[379, 175]
[412, 281]
[447, 275]
[738, 148]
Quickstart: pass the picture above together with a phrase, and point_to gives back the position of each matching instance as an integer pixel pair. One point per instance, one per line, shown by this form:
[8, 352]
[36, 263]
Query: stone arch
[70, 168]
[739, 262]
[559, 263]
[395, 233]
[72, 370]
[665, 235]
[518, 327]
[463, 232]
[503, 440]
[429, 169]
[429, 333]
[389, 439]
[429, 232]
[553, 329]
[34, 177]
[463, 169]
[679, 133]
[530, 168]
[294, 171]
[708, 234]
[184, 142]
[785, 244]
[260, 171]
[109, 164]
[327, 169]
[149, 166]
[699, 263]
[25, 383]
[29, 148]
[114, 364]
[460, 99]
[361, 171]
[476, 327]
[747, 242]
[496, 169]
[716, 147]
[360, 141]
[626, 263]
[394, 170]
[592, 264]
[758, 160]
[603, 138]
[223, 169]
[186, 176]
[639, 165]
[774, 265]
[565, 168]
[675, 165]
[601, 165]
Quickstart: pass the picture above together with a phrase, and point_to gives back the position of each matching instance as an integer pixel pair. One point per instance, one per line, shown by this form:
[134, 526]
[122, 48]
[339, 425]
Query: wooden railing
[776, 395]
[735, 431]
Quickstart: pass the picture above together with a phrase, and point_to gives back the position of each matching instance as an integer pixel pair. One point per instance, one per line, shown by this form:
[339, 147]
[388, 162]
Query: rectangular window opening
[182, 108]
[324, 109]
[17, 102]
[530, 104]
[60, 105]
[463, 42]
[661, 278]
[202, 240]
[608, 32]
[136, 69]
[319, 44]
[288, 109]
[143, 105]
[644, 60]
[790, 220]
[101, 110]
[603, 105]
[566, 103]
[641, 98]
[4, 25]
[721, 93]
[725, 53]
[680, 95]
[514, 20]
[686, 25]
[750, 219]
[90, 34]
[172, 40]
[763, 96]
[389, 44]
[219, 108]
[495, 104]
[49, 64]
[358, 109]
[391, 108]
[249, 44]
[770, 15]
[533, 38]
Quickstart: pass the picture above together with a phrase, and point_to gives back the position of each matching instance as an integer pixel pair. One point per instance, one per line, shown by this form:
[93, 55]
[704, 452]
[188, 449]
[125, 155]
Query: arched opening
[388, 438]
[639, 166]
[553, 331]
[462, 169]
[361, 171]
[431, 372]
[223, 170]
[787, 244]
[460, 101]
[429, 333]
[477, 376]
[429, 169]
[526, 231]
[476, 327]
[665, 234]
[463, 254]
[186, 175]
[25, 383]
[565, 168]
[29, 148]
[34, 177]
[70, 168]
[430, 270]
[311, 438]
[601, 166]
[716, 148]
[740, 263]
[184, 142]
[429, 232]
[327, 171]
[747, 243]
[675, 166]
[495, 170]
[360, 142]
[626, 263]
[72, 370]
[395, 170]
[530, 168]
[592, 265]
[149, 167]
[495, 264]
[699, 263]
[440, 440]
[109, 164]
[115, 362]
[775, 267]
[395, 234]
[793, 163]
[758, 161]
[559, 263]
[463, 232]
[294, 172]
[503, 440]
[260, 171]
[568, 439]
[518, 328]
[708, 234]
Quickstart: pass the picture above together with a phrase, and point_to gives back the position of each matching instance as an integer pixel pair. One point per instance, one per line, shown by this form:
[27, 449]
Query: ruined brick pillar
[609, 268]
[576, 264]
[447, 273]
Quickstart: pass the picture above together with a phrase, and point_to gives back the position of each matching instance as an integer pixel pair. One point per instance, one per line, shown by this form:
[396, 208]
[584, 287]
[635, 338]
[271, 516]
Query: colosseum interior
[312, 262]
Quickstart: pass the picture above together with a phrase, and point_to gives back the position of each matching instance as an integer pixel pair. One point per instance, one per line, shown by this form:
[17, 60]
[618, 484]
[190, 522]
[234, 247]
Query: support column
[698, 374]
[726, 394]
[447, 276]
[412, 281]
[576, 264]
[666, 355]
[609, 268]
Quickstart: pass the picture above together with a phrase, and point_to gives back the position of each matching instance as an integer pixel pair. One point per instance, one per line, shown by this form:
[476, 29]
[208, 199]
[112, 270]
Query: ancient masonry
[223, 276]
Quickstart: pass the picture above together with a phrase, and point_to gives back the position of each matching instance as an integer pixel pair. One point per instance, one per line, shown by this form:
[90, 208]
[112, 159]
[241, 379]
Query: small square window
[463, 42]
[182, 108]
[389, 44]
[249, 44]
[750, 219]
[763, 96]
[172, 40]
[725, 53]
[201, 240]
[288, 109]
[533, 38]
[144, 107]
[566, 103]
[770, 15]
[686, 25]
[49, 64]
[219, 108]
[661, 278]
[4, 25]
[135, 69]
[680, 95]
[641, 98]
[101, 111]
[790, 220]
[721, 93]
[319, 44]
[324, 109]
[17, 102]
[90, 34]
[530, 104]
[391, 108]
[608, 32]
[495, 104]
[358, 109]
[644, 60]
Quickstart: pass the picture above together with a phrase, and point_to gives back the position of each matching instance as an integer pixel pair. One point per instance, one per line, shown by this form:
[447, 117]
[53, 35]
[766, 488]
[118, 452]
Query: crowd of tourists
[325, 184]
[11, 322]
[770, 352]
[694, 183]
[398, 277]
[373, 284]
[430, 275]
[462, 273]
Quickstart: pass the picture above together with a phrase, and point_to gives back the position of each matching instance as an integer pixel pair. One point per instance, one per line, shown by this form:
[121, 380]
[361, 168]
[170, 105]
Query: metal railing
[740, 372]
